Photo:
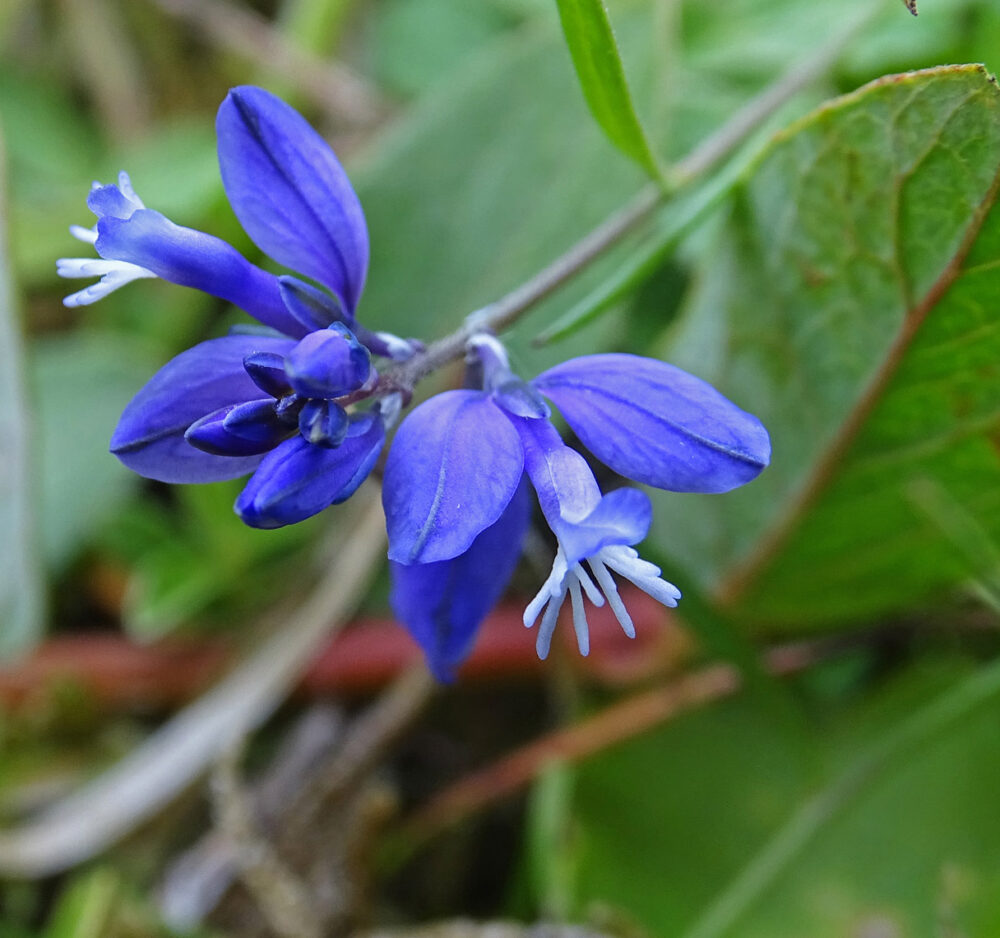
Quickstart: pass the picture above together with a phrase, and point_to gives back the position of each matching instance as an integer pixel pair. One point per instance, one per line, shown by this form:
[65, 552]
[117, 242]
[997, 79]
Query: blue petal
[210, 434]
[258, 422]
[582, 519]
[195, 259]
[656, 424]
[297, 480]
[519, 398]
[566, 487]
[442, 604]
[267, 371]
[310, 306]
[149, 437]
[323, 423]
[621, 517]
[290, 193]
[111, 201]
[453, 468]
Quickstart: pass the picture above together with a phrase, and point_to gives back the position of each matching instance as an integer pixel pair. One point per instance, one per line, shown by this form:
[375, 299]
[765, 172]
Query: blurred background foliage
[843, 286]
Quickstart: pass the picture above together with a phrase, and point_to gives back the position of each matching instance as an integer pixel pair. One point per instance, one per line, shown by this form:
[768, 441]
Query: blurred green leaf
[646, 257]
[491, 177]
[174, 168]
[195, 560]
[484, 182]
[416, 43]
[52, 148]
[100, 904]
[81, 383]
[21, 605]
[49, 139]
[899, 830]
[85, 910]
[850, 304]
[599, 68]
[315, 25]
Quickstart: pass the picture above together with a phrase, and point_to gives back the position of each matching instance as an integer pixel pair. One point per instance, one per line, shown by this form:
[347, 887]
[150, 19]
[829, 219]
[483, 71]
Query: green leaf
[81, 384]
[645, 258]
[598, 65]
[85, 910]
[480, 185]
[21, 606]
[884, 814]
[850, 303]
[101, 903]
[417, 43]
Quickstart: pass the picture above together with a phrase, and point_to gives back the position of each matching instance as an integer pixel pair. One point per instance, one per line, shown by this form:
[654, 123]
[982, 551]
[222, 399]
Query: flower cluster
[300, 403]
[456, 500]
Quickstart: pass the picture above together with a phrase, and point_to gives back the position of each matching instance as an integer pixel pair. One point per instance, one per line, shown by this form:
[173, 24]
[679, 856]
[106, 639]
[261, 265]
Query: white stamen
[87, 235]
[552, 587]
[113, 274]
[593, 593]
[614, 600]
[576, 581]
[580, 625]
[548, 627]
[644, 575]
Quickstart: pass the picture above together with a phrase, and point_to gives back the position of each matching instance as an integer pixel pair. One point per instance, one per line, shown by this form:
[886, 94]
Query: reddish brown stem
[615, 724]
[118, 675]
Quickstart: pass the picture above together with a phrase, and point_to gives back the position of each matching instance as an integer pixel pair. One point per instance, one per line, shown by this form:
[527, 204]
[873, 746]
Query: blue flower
[278, 400]
[453, 488]
[298, 402]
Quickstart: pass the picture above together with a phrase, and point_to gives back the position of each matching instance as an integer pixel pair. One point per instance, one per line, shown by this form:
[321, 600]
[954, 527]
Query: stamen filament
[614, 600]
[579, 617]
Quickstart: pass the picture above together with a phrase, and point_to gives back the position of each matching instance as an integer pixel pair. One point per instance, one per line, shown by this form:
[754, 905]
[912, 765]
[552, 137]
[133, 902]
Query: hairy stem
[715, 148]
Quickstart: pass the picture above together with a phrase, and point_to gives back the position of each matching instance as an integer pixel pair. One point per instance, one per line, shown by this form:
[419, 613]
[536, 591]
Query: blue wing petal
[657, 424]
[442, 604]
[297, 480]
[453, 468]
[149, 437]
[290, 192]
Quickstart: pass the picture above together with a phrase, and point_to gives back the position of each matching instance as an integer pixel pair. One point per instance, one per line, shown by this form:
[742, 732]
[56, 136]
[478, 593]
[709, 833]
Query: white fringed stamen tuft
[113, 274]
[87, 235]
[575, 580]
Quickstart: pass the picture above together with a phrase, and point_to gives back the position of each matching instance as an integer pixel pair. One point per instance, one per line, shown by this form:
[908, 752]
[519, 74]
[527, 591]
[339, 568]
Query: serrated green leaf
[599, 68]
[851, 305]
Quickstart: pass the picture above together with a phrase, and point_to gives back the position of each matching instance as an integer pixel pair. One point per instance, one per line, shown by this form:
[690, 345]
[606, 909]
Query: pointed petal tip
[289, 191]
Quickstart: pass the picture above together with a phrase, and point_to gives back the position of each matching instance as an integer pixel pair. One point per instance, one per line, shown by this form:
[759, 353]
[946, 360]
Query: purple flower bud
[323, 423]
[328, 364]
